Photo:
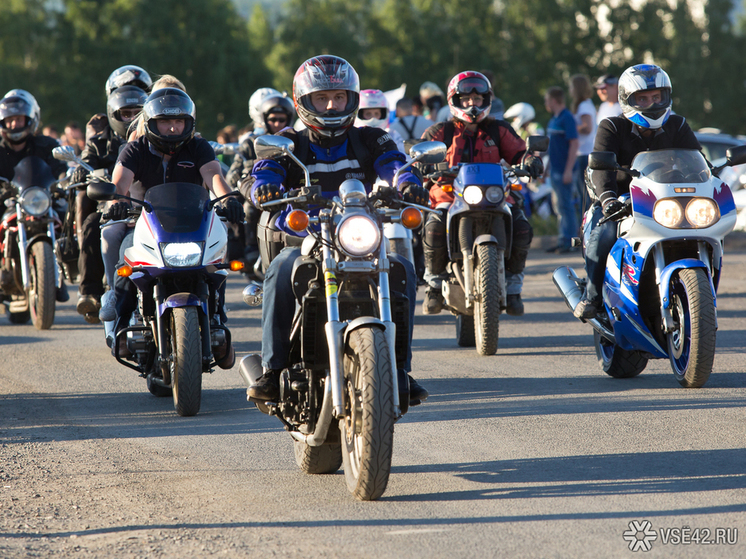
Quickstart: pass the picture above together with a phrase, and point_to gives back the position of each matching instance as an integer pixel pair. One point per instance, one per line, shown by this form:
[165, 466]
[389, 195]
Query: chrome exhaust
[566, 281]
[253, 294]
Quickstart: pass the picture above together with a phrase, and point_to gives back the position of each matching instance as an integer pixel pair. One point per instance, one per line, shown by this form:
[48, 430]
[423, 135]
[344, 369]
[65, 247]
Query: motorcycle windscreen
[179, 206]
[32, 171]
[673, 166]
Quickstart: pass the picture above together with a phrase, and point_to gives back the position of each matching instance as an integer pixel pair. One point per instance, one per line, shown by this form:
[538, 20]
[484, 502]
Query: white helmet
[19, 102]
[255, 104]
[373, 99]
[644, 77]
[521, 114]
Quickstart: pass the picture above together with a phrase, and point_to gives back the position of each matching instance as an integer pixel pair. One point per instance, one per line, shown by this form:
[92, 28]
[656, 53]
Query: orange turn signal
[515, 186]
[297, 220]
[125, 271]
[236, 265]
[447, 188]
[411, 218]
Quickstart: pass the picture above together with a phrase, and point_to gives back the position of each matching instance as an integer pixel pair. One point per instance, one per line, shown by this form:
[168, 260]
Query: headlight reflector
[35, 201]
[668, 213]
[358, 235]
[181, 255]
[494, 194]
[473, 194]
[702, 212]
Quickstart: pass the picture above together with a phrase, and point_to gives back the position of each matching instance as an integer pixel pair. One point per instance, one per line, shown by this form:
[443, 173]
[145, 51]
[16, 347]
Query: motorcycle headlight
[494, 194]
[35, 201]
[358, 235]
[473, 194]
[181, 255]
[702, 212]
[668, 213]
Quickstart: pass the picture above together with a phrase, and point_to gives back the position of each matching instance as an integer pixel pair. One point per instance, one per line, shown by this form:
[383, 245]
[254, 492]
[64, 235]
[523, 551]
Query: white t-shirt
[605, 110]
[585, 141]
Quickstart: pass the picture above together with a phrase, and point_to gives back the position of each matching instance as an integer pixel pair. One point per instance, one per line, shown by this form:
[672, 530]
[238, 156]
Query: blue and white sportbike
[660, 285]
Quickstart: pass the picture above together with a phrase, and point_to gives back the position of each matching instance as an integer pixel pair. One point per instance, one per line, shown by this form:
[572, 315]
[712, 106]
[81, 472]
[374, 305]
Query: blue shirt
[561, 129]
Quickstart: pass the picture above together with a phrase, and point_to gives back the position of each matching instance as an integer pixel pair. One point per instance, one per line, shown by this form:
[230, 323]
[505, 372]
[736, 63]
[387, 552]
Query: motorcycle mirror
[64, 153]
[101, 191]
[269, 146]
[224, 149]
[603, 161]
[538, 143]
[409, 144]
[736, 155]
[428, 153]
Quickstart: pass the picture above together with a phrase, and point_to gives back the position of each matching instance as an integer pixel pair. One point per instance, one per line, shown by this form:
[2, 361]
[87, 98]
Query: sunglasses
[277, 120]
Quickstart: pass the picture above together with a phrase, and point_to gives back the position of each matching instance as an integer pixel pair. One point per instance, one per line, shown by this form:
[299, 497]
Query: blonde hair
[138, 125]
[580, 90]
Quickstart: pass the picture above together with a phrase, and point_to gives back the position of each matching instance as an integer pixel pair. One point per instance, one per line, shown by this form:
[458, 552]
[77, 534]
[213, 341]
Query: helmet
[644, 77]
[373, 99]
[277, 104]
[520, 113]
[19, 102]
[128, 75]
[325, 73]
[464, 84]
[166, 103]
[255, 104]
[125, 97]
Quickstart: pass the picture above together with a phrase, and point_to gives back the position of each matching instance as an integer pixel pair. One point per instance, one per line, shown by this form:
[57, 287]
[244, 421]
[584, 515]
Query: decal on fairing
[628, 274]
[724, 198]
[643, 200]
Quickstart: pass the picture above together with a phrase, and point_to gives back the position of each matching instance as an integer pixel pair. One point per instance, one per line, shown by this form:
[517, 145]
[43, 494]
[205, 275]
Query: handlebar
[617, 216]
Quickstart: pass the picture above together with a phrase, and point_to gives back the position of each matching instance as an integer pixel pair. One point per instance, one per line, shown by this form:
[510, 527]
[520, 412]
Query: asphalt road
[533, 452]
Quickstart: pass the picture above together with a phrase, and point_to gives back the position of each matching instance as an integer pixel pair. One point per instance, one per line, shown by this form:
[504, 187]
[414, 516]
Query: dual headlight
[35, 201]
[181, 255]
[358, 235]
[475, 194]
[699, 213]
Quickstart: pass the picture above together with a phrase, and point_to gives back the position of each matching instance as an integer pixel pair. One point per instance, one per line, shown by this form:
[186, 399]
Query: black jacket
[102, 145]
[40, 146]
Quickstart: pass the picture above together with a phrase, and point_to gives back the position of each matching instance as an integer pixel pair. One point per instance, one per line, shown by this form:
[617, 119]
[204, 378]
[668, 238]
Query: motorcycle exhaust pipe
[566, 281]
[318, 437]
[250, 369]
[253, 294]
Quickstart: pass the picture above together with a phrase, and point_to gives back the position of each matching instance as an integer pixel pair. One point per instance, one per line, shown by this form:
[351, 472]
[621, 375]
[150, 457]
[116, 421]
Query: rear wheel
[324, 459]
[42, 292]
[465, 336]
[186, 364]
[615, 361]
[489, 282]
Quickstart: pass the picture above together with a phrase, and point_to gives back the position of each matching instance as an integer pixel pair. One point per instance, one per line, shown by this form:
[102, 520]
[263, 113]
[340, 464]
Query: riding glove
[79, 175]
[231, 209]
[414, 193]
[611, 206]
[534, 165]
[266, 193]
[117, 212]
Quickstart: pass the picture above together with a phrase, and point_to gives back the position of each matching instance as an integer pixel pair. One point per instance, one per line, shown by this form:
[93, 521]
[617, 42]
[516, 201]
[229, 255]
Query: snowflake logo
[640, 535]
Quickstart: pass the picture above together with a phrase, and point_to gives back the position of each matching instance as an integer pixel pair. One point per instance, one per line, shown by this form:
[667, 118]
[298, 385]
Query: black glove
[266, 193]
[117, 212]
[534, 165]
[611, 206]
[387, 193]
[80, 174]
[414, 193]
[231, 209]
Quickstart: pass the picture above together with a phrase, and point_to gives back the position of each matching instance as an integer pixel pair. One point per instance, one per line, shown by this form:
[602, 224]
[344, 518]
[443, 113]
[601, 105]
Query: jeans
[598, 245]
[278, 308]
[583, 200]
[568, 219]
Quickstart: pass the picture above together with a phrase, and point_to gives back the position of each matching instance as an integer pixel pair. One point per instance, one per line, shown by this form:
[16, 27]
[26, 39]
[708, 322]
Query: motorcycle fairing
[178, 300]
[478, 174]
[32, 171]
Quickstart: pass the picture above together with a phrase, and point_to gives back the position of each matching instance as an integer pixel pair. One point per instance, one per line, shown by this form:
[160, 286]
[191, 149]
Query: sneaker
[267, 388]
[417, 392]
[514, 305]
[108, 310]
[433, 302]
[585, 310]
[88, 304]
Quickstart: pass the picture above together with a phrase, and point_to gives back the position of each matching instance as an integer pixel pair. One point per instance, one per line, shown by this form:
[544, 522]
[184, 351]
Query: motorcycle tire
[465, 336]
[489, 283]
[42, 292]
[367, 428]
[617, 362]
[186, 366]
[324, 459]
[691, 346]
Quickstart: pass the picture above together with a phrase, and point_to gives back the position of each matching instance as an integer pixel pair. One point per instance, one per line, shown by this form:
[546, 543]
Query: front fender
[486, 240]
[685, 263]
[359, 323]
[182, 300]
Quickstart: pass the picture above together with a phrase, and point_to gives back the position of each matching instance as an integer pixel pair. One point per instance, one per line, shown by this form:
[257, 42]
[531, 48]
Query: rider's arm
[512, 147]
[265, 171]
[213, 177]
[387, 159]
[122, 177]
[608, 138]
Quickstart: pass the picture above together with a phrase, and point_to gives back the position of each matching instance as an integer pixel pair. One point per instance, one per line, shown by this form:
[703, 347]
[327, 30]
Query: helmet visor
[472, 85]
[651, 101]
[169, 106]
[14, 106]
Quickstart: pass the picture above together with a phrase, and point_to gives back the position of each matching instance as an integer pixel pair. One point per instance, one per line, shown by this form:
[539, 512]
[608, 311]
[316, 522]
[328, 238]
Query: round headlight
[358, 235]
[494, 194]
[473, 194]
[181, 255]
[668, 213]
[35, 201]
[702, 212]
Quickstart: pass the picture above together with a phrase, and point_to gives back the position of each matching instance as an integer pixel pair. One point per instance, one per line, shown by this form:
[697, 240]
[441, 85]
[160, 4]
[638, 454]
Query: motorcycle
[29, 276]
[660, 285]
[479, 228]
[350, 333]
[176, 263]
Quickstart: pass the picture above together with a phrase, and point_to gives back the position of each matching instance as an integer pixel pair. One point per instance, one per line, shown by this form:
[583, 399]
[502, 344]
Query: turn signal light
[447, 188]
[236, 265]
[125, 271]
[515, 186]
[411, 218]
[297, 220]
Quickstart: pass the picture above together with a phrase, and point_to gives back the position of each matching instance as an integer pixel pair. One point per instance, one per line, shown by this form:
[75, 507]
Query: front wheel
[186, 360]
[42, 292]
[691, 345]
[489, 282]
[617, 362]
[367, 427]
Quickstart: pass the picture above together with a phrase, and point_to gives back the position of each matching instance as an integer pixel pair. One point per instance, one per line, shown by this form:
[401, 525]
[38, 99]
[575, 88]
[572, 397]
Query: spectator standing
[607, 89]
[432, 100]
[585, 119]
[408, 125]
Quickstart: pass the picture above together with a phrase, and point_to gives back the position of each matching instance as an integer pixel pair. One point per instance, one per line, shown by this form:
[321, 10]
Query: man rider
[475, 137]
[326, 91]
[646, 124]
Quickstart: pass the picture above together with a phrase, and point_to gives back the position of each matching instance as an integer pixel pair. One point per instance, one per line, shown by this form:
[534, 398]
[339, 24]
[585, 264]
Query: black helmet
[18, 102]
[325, 73]
[278, 104]
[168, 103]
[128, 75]
[126, 97]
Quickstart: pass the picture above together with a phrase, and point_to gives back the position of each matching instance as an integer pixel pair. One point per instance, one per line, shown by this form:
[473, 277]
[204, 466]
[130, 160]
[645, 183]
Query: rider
[646, 124]
[19, 119]
[326, 91]
[374, 112]
[474, 137]
[168, 152]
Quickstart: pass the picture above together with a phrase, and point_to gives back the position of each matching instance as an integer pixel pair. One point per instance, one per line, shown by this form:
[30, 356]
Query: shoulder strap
[448, 129]
[409, 129]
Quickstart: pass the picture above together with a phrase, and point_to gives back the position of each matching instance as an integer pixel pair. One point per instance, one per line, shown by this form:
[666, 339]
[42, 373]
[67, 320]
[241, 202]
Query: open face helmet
[326, 73]
[164, 104]
[277, 105]
[128, 75]
[19, 102]
[127, 98]
[467, 83]
[644, 77]
[373, 99]
[520, 114]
